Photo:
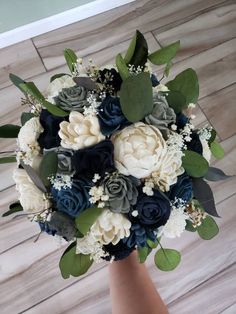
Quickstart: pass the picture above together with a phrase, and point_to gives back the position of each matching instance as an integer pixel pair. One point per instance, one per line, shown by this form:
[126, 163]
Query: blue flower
[153, 211]
[51, 125]
[154, 80]
[181, 120]
[139, 236]
[74, 200]
[195, 145]
[94, 159]
[110, 115]
[182, 189]
[119, 251]
[110, 79]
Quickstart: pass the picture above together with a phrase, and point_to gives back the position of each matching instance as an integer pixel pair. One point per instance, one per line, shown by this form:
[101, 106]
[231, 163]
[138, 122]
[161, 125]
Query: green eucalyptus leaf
[194, 164]
[137, 52]
[34, 177]
[74, 264]
[143, 254]
[122, 67]
[57, 76]
[31, 89]
[48, 167]
[208, 228]
[136, 97]
[189, 226]
[216, 174]
[16, 80]
[167, 68]
[217, 150]
[165, 54]
[9, 131]
[87, 218]
[13, 208]
[152, 244]
[7, 159]
[71, 59]
[187, 84]
[167, 259]
[176, 101]
[26, 116]
[213, 137]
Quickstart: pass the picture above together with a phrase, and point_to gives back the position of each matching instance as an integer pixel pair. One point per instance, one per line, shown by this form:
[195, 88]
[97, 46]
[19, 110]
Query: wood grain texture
[29, 274]
[105, 30]
[203, 32]
[21, 59]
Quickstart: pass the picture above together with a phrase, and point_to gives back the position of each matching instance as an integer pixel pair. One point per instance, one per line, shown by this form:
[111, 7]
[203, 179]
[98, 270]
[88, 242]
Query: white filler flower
[110, 227]
[31, 198]
[81, 131]
[176, 223]
[56, 86]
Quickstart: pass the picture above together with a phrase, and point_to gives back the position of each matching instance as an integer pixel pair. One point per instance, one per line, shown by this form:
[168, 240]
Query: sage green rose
[72, 99]
[162, 115]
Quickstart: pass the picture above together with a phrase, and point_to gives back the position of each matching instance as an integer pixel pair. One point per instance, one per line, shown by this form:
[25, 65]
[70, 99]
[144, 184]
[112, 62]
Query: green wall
[15, 13]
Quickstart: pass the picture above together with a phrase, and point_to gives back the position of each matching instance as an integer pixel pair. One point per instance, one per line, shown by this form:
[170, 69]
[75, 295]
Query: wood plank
[107, 29]
[203, 32]
[215, 67]
[221, 111]
[21, 59]
[229, 310]
[191, 273]
[220, 290]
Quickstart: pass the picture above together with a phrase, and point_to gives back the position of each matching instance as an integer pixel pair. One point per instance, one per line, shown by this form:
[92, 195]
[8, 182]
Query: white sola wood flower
[31, 198]
[27, 140]
[110, 227]
[138, 150]
[81, 131]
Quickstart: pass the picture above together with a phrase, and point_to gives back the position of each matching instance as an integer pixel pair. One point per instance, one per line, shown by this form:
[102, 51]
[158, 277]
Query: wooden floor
[205, 282]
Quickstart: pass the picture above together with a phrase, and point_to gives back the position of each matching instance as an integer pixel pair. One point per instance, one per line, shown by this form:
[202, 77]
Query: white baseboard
[59, 20]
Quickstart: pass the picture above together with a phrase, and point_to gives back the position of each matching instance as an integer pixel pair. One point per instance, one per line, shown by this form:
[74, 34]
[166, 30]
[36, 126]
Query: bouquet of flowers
[109, 160]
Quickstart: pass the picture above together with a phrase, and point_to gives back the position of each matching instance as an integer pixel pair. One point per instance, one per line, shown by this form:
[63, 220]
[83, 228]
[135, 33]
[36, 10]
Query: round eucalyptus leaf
[208, 229]
[167, 259]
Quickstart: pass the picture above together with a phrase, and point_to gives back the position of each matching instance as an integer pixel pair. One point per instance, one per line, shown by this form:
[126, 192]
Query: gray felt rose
[122, 192]
[162, 115]
[72, 99]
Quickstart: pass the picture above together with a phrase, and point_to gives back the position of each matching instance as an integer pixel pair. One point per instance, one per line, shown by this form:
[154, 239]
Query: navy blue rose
[195, 144]
[119, 251]
[94, 159]
[139, 235]
[182, 189]
[110, 115]
[153, 211]
[51, 125]
[74, 200]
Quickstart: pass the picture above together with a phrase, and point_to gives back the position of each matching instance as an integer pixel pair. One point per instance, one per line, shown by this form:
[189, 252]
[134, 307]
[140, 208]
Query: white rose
[110, 227]
[138, 150]
[206, 152]
[56, 86]
[31, 198]
[81, 131]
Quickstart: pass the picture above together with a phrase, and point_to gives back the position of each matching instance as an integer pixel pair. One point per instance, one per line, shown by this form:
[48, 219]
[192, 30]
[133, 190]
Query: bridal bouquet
[109, 160]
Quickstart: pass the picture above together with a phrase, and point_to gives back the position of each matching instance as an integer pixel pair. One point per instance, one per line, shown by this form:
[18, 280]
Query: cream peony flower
[56, 86]
[81, 131]
[31, 198]
[27, 140]
[110, 227]
[139, 150]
